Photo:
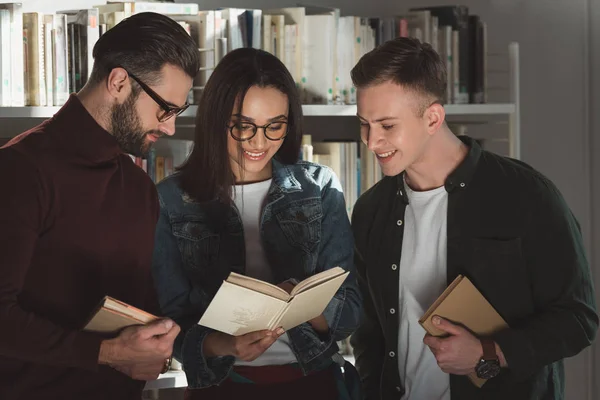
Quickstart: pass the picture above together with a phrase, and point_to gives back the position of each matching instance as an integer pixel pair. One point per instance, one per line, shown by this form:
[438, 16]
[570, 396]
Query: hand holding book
[139, 343]
[246, 347]
[455, 324]
[140, 351]
[459, 352]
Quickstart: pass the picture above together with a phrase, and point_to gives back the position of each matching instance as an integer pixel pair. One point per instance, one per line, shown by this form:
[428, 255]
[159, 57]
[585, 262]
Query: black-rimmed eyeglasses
[242, 131]
[168, 110]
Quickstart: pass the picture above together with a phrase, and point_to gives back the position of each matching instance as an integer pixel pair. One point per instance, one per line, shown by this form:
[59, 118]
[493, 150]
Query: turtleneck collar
[82, 135]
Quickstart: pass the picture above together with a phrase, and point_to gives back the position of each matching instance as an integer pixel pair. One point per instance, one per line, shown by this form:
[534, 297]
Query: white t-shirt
[250, 201]
[422, 280]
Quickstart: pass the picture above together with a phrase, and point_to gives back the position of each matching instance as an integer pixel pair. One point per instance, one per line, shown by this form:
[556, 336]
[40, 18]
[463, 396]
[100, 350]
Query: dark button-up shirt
[510, 231]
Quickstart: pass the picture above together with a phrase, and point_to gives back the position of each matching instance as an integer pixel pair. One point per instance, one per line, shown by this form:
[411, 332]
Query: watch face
[487, 369]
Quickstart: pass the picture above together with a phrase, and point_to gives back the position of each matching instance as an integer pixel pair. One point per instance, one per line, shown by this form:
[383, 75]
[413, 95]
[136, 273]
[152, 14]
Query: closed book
[463, 304]
[243, 304]
[113, 315]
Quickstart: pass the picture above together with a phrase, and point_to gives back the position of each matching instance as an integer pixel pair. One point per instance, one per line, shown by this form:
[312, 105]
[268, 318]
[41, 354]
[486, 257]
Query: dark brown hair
[407, 62]
[207, 173]
[143, 44]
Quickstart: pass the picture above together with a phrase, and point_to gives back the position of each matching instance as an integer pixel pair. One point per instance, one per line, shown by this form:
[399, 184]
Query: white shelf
[308, 110]
[177, 379]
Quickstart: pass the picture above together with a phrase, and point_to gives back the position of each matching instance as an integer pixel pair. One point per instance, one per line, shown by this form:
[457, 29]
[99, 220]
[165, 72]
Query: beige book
[113, 315]
[462, 304]
[243, 304]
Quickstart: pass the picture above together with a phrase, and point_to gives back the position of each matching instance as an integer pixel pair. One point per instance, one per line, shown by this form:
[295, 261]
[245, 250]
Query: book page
[310, 303]
[258, 285]
[236, 310]
[316, 279]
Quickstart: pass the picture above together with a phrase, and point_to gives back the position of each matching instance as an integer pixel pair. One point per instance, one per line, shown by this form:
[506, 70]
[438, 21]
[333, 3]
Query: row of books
[355, 166]
[44, 57]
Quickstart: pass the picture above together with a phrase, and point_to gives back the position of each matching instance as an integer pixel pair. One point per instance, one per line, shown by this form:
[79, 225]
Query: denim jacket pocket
[199, 246]
[301, 224]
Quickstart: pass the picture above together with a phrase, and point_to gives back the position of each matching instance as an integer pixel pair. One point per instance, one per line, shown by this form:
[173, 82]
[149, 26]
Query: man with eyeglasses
[77, 222]
[447, 207]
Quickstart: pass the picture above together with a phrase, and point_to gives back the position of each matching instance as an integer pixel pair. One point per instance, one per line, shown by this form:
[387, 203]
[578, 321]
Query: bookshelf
[507, 112]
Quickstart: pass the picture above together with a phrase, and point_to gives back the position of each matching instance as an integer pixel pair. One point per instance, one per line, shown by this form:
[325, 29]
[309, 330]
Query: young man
[446, 207]
[77, 220]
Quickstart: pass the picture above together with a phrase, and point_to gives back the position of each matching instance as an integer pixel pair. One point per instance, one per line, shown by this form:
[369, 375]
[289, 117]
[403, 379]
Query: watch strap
[489, 349]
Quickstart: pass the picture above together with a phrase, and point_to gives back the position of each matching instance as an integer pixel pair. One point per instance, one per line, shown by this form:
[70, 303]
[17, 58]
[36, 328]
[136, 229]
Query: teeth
[254, 154]
[385, 155]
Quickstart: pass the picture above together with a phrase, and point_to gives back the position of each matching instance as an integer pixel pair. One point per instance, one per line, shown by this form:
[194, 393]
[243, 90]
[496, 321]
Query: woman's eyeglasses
[242, 131]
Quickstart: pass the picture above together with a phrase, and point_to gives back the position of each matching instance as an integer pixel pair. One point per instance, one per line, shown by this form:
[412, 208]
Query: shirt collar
[458, 179]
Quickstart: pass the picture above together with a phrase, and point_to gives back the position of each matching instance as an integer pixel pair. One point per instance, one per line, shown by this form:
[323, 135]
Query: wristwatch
[167, 365]
[489, 365]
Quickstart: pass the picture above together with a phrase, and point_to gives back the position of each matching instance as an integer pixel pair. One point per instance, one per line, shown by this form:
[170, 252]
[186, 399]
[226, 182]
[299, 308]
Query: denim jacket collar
[284, 179]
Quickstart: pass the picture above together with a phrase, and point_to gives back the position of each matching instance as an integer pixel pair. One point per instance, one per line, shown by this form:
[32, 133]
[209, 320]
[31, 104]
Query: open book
[462, 304]
[243, 304]
[113, 315]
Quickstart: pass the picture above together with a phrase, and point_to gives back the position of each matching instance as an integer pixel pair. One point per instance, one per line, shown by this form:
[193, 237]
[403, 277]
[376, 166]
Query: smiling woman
[244, 203]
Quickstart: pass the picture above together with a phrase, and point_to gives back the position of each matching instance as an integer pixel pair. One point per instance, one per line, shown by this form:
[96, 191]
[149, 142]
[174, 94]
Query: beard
[126, 127]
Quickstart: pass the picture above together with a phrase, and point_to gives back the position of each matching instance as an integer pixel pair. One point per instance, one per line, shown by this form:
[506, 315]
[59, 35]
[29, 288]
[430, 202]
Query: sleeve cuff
[201, 371]
[332, 314]
[518, 353]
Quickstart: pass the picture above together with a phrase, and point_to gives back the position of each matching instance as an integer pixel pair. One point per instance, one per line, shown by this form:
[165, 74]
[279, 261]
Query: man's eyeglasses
[168, 109]
[242, 131]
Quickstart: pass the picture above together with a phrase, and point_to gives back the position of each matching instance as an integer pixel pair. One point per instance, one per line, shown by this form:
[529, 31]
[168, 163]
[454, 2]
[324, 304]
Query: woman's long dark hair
[207, 173]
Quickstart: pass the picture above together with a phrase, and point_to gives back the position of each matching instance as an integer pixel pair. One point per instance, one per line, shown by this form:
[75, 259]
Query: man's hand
[246, 347]
[140, 351]
[457, 354]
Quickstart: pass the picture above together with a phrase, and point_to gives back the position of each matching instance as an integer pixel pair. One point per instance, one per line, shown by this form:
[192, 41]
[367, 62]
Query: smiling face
[251, 159]
[393, 125]
[135, 122]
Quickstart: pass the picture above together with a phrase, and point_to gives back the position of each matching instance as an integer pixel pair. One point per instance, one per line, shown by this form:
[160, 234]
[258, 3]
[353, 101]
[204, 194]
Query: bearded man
[77, 221]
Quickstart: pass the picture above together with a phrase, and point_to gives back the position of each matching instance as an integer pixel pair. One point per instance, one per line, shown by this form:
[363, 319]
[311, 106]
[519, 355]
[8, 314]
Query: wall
[560, 59]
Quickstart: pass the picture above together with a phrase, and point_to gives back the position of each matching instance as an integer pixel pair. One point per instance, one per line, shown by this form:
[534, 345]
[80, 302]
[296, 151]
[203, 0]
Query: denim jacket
[304, 229]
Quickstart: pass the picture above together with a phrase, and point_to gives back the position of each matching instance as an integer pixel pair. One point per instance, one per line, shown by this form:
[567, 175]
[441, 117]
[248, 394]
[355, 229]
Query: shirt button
[398, 389]
[462, 184]
[394, 267]
[392, 311]
[399, 222]
[392, 354]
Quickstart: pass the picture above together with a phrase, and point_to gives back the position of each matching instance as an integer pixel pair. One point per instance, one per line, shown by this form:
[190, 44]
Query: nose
[168, 127]
[259, 140]
[374, 139]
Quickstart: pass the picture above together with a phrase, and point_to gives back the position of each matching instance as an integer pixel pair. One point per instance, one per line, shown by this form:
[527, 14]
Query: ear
[435, 116]
[118, 84]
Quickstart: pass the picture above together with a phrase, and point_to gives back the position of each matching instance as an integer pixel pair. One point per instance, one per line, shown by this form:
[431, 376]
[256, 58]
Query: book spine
[276, 320]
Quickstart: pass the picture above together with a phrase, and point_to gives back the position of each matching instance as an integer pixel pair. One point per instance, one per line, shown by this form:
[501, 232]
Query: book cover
[113, 315]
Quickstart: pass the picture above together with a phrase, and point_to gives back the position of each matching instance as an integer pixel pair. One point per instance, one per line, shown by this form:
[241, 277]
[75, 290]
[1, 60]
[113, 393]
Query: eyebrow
[378, 119]
[241, 116]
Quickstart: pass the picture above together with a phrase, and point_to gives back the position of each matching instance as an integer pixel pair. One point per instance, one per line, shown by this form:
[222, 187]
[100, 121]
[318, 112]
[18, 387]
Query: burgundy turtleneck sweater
[77, 221]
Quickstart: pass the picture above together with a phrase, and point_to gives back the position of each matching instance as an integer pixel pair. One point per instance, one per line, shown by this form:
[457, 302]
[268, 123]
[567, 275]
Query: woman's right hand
[246, 347]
